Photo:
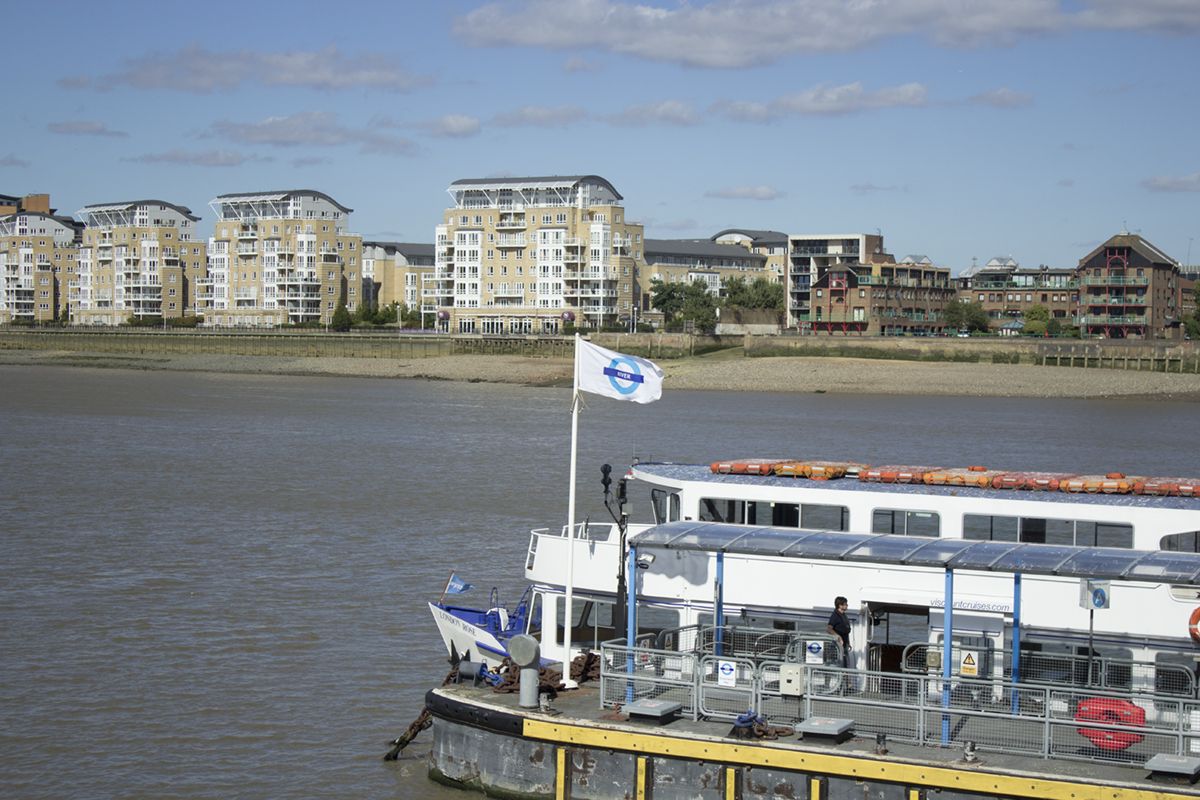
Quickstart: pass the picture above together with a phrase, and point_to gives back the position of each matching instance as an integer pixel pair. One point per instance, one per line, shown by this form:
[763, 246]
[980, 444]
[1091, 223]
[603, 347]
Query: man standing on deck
[839, 625]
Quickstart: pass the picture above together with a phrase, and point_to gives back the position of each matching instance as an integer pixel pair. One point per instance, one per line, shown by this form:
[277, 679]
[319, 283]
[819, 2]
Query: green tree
[760, 293]
[968, 315]
[1037, 313]
[667, 297]
[341, 318]
[1054, 327]
[699, 307]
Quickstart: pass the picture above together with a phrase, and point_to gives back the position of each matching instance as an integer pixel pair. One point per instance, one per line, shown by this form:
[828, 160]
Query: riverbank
[722, 371]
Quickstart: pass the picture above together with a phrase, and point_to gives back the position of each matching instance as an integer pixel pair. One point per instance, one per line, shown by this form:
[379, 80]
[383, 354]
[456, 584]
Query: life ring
[1110, 711]
[1194, 626]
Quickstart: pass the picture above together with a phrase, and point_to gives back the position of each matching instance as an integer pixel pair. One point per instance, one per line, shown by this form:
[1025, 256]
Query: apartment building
[523, 255]
[1129, 289]
[771, 244]
[1007, 291]
[12, 204]
[395, 272]
[691, 260]
[278, 258]
[810, 258]
[38, 257]
[139, 259]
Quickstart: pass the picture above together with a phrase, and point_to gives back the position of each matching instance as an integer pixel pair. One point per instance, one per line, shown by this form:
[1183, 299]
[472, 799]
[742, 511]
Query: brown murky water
[215, 586]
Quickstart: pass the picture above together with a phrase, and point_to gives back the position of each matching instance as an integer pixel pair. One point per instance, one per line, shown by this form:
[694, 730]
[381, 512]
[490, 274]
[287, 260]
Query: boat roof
[1099, 563]
[701, 473]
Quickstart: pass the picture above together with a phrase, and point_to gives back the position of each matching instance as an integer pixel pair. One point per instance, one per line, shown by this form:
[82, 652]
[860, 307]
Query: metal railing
[1074, 723]
[1066, 669]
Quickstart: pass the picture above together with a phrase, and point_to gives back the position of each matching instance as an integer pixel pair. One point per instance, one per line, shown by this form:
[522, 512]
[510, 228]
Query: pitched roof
[279, 194]
[540, 181]
[128, 204]
[761, 237]
[698, 248]
[1134, 242]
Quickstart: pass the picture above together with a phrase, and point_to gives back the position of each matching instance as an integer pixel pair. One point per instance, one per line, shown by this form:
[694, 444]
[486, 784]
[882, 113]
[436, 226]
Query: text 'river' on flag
[456, 585]
[617, 375]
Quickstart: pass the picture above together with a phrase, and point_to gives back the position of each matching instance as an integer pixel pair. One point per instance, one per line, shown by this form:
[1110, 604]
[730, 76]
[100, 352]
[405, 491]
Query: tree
[341, 318]
[968, 315]
[699, 307]
[666, 297]
[1037, 313]
[761, 293]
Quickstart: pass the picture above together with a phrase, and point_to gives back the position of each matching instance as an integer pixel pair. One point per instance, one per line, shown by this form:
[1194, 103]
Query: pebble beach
[718, 372]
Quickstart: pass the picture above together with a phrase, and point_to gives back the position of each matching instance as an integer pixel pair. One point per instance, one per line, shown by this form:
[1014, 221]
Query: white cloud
[1066, 183]
[849, 98]
[762, 192]
[1165, 16]
[310, 161]
[675, 225]
[1169, 183]
[1001, 98]
[195, 69]
[312, 129]
[453, 126]
[743, 33]
[12, 161]
[200, 158]
[667, 112]
[541, 117]
[84, 128]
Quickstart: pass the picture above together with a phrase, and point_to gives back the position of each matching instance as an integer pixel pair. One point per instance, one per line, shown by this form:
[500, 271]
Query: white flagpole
[567, 619]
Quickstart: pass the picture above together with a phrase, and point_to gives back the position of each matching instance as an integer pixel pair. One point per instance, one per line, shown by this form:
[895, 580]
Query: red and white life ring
[1194, 626]
[1110, 711]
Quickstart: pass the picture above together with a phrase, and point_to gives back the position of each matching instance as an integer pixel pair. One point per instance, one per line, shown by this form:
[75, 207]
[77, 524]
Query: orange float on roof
[1031, 481]
[1111, 483]
[894, 473]
[747, 466]
[1175, 487]
[818, 470]
[971, 476]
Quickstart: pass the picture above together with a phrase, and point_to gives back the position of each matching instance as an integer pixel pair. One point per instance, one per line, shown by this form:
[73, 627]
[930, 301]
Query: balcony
[511, 241]
[1113, 319]
[509, 221]
[247, 249]
[504, 290]
[1114, 280]
[248, 232]
[1115, 300]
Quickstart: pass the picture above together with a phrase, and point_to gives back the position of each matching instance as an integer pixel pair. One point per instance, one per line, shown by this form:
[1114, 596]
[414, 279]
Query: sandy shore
[724, 372]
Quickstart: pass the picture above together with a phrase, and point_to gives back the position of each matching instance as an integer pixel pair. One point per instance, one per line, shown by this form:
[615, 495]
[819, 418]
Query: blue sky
[959, 128]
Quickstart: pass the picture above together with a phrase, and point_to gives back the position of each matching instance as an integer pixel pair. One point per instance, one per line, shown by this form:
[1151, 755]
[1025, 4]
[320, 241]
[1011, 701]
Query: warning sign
[968, 664]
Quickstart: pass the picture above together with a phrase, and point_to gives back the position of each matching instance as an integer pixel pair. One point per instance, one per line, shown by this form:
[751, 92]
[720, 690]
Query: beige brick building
[773, 245]
[11, 204]
[139, 259]
[523, 255]
[280, 258]
[690, 260]
[38, 256]
[395, 272]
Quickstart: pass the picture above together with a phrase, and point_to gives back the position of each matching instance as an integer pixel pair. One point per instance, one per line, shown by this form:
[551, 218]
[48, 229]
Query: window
[907, 523]
[1181, 542]
[1034, 530]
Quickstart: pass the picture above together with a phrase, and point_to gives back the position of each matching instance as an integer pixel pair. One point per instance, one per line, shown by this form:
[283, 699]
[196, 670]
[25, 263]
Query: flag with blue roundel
[616, 375]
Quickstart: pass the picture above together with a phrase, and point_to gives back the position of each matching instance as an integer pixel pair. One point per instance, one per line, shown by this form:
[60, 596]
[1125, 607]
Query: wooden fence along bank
[1108, 354]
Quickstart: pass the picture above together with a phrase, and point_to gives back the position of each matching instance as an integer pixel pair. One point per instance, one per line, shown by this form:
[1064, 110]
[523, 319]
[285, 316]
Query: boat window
[779, 515]
[714, 510]
[665, 504]
[910, 523]
[535, 615]
[656, 618]
[824, 518]
[1035, 530]
[1181, 542]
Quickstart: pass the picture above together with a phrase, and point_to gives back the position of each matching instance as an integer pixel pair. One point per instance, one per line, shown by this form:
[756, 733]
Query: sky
[960, 129]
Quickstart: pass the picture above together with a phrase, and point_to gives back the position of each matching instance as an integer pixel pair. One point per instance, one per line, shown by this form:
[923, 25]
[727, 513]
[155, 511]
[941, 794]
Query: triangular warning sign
[968, 660]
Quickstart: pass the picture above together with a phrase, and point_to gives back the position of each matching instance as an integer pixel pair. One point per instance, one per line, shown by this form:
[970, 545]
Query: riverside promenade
[854, 365]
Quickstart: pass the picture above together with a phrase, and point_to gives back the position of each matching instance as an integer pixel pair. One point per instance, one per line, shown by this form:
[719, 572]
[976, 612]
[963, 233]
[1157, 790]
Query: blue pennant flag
[457, 585]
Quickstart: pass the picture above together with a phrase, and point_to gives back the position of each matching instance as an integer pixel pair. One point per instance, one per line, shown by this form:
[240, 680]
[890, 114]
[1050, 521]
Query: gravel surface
[722, 372]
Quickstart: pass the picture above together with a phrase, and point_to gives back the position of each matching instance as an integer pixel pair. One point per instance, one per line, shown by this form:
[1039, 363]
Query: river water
[214, 586]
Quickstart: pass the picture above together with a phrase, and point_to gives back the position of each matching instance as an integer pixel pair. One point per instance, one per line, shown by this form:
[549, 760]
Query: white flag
[617, 375]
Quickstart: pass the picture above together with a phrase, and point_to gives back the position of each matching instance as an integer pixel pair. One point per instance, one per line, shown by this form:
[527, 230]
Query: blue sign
[1100, 598]
[625, 381]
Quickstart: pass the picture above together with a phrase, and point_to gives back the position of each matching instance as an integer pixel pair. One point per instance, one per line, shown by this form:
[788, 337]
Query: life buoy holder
[1194, 626]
